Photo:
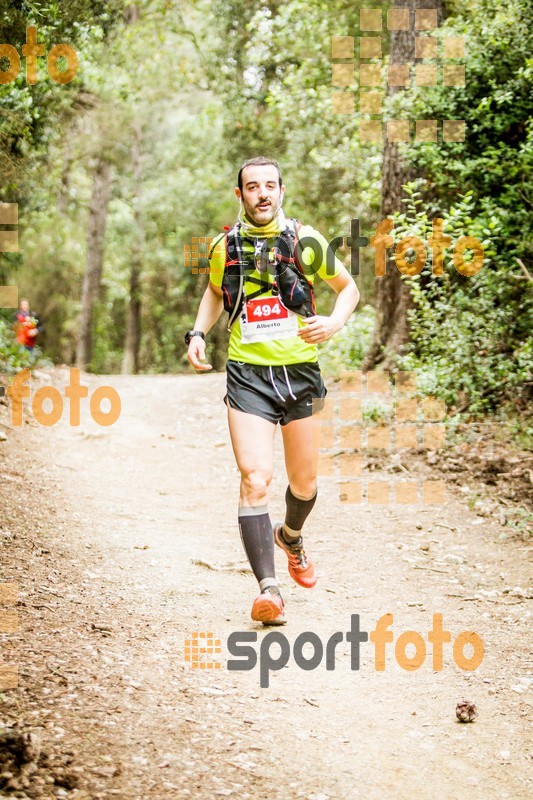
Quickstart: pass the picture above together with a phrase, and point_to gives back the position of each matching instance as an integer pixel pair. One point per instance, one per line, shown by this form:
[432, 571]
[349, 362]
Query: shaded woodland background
[115, 172]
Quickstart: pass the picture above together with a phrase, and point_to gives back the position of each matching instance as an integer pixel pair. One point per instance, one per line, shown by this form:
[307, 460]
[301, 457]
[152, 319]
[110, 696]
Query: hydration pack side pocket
[295, 291]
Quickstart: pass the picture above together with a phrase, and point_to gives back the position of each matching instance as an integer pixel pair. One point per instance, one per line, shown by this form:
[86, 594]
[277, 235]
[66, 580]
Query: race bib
[267, 318]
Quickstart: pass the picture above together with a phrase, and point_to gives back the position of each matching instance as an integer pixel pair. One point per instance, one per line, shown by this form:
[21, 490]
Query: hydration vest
[279, 262]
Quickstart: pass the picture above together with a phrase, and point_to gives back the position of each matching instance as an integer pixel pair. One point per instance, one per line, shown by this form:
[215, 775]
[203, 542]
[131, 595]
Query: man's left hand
[318, 329]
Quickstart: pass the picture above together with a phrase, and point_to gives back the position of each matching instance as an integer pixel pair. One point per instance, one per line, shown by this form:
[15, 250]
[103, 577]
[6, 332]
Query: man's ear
[282, 193]
[238, 193]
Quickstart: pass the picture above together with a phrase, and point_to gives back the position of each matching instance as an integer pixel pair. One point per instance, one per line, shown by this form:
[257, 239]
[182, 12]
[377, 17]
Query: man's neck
[276, 224]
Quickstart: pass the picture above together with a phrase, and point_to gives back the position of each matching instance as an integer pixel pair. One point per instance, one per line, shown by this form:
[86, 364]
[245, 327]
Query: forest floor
[123, 543]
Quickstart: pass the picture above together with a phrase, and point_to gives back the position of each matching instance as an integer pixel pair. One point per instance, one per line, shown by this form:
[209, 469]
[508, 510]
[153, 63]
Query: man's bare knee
[255, 486]
[305, 489]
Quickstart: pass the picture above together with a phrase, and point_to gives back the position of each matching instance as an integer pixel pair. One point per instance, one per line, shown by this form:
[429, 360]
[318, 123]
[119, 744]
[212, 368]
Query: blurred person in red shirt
[27, 325]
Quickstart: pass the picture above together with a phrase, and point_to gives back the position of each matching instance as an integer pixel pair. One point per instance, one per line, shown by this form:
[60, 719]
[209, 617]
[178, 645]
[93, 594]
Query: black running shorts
[278, 394]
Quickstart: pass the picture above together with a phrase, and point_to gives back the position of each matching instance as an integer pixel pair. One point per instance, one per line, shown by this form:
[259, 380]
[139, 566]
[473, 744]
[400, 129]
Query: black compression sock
[258, 541]
[298, 509]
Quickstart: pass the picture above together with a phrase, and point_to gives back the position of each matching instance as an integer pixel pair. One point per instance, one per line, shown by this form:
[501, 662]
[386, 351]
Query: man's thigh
[252, 438]
[300, 443]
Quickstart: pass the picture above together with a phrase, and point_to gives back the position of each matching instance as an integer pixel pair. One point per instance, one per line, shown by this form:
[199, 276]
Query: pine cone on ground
[466, 711]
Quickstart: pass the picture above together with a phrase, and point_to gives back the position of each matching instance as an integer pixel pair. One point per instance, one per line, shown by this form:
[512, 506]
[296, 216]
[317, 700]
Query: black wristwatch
[190, 334]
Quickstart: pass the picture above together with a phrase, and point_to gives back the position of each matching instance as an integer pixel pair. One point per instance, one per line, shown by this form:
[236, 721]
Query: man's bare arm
[209, 310]
[319, 328]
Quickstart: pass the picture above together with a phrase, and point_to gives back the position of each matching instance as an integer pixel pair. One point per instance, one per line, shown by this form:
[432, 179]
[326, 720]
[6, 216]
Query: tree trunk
[94, 263]
[393, 299]
[64, 185]
[130, 362]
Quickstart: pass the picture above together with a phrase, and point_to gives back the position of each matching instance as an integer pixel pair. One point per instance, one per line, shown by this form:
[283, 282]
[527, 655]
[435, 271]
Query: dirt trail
[119, 516]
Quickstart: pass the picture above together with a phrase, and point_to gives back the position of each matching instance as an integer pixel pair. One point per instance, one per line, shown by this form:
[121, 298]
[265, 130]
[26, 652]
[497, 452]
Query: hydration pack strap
[238, 260]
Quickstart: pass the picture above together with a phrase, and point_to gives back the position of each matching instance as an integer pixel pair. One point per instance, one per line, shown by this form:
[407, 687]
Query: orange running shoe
[301, 569]
[269, 607]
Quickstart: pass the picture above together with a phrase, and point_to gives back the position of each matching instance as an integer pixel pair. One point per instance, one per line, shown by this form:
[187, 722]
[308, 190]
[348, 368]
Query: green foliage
[376, 411]
[31, 115]
[347, 348]
[495, 161]
[470, 337]
[522, 523]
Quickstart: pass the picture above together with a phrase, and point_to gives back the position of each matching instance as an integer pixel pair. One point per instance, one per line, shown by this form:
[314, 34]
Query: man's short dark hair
[260, 161]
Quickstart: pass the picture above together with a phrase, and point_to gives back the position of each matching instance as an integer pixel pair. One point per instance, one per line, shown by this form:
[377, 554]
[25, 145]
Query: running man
[262, 272]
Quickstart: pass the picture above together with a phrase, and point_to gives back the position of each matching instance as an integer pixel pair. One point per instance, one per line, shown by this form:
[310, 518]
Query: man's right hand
[196, 353]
